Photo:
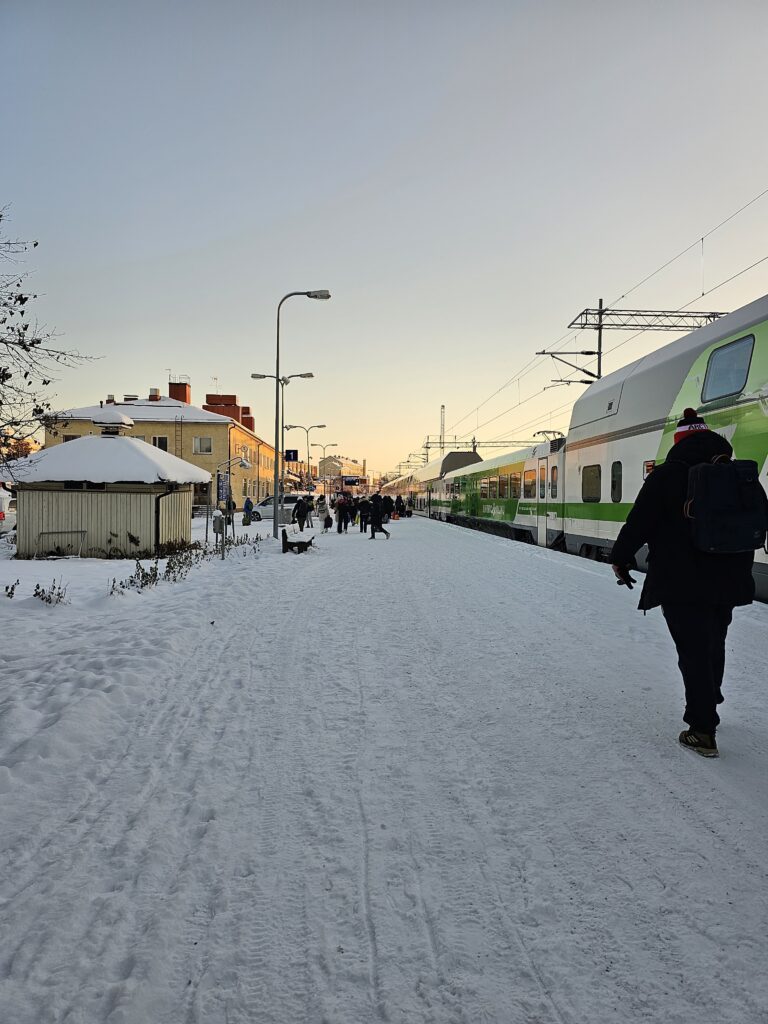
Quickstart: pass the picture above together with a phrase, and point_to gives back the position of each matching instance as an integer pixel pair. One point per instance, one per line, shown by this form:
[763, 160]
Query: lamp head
[321, 293]
[305, 375]
[317, 426]
[259, 376]
[244, 464]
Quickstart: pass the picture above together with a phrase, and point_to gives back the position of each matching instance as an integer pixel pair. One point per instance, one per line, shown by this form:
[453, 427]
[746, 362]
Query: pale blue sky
[463, 177]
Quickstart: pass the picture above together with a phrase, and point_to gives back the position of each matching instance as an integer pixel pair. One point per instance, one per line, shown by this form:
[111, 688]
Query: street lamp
[330, 444]
[321, 293]
[283, 381]
[298, 426]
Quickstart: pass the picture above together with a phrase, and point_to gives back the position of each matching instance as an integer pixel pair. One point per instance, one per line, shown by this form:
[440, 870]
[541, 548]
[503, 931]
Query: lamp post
[298, 426]
[283, 381]
[330, 444]
[244, 464]
[321, 293]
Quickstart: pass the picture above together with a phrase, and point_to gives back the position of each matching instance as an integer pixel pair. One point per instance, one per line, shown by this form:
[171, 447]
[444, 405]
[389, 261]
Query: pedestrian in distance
[696, 584]
[300, 513]
[310, 501]
[247, 511]
[377, 517]
[342, 514]
[400, 506]
[388, 507]
[364, 511]
[321, 506]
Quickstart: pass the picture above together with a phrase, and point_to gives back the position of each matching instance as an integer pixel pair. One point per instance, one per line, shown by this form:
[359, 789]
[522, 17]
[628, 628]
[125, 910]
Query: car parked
[7, 513]
[264, 509]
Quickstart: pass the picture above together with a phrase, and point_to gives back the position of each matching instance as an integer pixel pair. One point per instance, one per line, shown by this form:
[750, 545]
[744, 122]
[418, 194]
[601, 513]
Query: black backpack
[727, 507]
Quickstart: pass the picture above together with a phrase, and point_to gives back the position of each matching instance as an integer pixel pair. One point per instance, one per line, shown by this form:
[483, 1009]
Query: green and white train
[574, 493]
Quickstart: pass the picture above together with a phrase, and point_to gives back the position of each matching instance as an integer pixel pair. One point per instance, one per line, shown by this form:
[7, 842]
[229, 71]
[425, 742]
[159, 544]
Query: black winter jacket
[678, 573]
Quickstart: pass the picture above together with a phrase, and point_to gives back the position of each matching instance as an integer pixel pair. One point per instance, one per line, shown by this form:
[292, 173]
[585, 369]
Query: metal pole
[276, 481]
[600, 339]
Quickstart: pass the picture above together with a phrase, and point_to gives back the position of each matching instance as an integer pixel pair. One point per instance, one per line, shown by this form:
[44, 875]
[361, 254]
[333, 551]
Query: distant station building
[338, 472]
[104, 496]
[208, 437]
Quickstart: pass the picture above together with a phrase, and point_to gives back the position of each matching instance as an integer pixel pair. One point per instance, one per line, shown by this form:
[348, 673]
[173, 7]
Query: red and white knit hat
[689, 423]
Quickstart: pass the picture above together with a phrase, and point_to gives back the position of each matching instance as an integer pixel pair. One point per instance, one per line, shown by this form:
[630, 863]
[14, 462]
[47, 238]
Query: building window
[245, 488]
[542, 482]
[514, 485]
[161, 443]
[202, 445]
[529, 483]
[727, 370]
[70, 437]
[95, 487]
[553, 482]
[590, 484]
[139, 437]
[73, 485]
[616, 481]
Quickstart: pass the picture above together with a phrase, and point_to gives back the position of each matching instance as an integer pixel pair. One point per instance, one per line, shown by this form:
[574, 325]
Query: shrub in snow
[10, 588]
[55, 594]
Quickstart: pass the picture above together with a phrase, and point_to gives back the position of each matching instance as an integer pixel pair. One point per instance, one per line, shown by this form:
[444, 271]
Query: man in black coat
[697, 591]
[377, 516]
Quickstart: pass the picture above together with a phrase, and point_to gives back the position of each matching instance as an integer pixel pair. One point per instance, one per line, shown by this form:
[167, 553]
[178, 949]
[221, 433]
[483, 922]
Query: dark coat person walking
[697, 591]
[377, 516]
[364, 511]
[300, 513]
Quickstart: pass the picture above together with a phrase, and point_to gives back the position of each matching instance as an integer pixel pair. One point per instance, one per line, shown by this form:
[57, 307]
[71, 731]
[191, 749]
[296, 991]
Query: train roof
[519, 455]
[646, 390]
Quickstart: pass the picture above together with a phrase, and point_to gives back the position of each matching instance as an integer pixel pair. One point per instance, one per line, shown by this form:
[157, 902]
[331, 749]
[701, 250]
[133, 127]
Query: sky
[463, 177]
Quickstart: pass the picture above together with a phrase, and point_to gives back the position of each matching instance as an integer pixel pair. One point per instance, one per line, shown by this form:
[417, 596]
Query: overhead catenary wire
[532, 363]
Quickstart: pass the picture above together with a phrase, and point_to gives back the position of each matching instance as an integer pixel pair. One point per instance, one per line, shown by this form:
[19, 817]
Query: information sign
[351, 481]
[291, 454]
[222, 493]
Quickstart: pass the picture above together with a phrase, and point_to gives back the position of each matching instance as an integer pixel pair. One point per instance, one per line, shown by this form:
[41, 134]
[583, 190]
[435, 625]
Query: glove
[622, 576]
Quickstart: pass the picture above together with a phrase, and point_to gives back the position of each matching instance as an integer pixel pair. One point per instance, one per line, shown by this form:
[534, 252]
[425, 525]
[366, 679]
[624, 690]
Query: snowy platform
[432, 780]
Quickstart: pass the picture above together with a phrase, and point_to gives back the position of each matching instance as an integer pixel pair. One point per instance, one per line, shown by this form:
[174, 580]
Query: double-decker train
[573, 493]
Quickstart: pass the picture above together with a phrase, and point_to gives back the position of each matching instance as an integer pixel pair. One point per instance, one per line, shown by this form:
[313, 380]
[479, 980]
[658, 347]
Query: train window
[484, 488]
[514, 485]
[542, 482]
[503, 486]
[590, 483]
[553, 482]
[727, 369]
[616, 481]
[529, 483]
[493, 487]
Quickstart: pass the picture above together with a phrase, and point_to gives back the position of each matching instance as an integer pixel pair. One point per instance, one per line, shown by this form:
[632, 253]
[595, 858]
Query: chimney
[110, 399]
[180, 391]
[130, 398]
[154, 394]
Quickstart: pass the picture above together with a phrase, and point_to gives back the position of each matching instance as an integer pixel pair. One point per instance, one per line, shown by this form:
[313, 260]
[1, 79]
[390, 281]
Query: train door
[541, 493]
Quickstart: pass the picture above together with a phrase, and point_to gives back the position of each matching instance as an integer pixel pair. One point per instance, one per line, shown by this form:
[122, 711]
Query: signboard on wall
[222, 491]
[351, 481]
[291, 455]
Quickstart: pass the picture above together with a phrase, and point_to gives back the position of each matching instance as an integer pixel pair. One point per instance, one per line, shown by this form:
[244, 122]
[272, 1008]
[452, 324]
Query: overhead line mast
[624, 320]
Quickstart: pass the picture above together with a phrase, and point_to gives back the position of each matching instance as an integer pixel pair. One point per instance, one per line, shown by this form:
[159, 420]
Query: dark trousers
[376, 524]
[300, 520]
[363, 523]
[699, 633]
[343, 522]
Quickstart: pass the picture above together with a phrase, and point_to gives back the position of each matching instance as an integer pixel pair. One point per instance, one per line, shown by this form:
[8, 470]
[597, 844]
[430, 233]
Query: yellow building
[206, 439]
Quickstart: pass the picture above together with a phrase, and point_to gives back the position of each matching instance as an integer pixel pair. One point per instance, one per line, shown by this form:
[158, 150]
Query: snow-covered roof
[164, 410]
[109, 416]
[105, 460]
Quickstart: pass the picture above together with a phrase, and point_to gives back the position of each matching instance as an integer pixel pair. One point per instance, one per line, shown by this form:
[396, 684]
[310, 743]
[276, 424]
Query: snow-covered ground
[436, 780]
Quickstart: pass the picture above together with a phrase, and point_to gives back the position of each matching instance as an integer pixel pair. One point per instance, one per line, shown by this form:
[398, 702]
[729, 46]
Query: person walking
[247, 511]
[310, 501]
[388, 507]
[697, 591]
[377, 517]
[342, 514]
[400, 506]
[321, 507]
[300, 513]
[364, 511]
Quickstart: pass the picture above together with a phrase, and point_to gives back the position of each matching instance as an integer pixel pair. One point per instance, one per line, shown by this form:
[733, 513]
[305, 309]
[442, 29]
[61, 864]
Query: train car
[518, 494]
[623, 425]
[575, 493]
[422, 485]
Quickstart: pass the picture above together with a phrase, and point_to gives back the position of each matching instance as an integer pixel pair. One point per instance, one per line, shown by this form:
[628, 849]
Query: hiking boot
[702, 742]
